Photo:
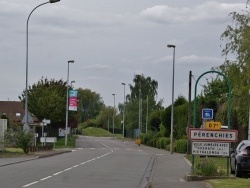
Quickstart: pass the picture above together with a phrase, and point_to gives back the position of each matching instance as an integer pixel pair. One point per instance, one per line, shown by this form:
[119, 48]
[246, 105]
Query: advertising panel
[73, 100]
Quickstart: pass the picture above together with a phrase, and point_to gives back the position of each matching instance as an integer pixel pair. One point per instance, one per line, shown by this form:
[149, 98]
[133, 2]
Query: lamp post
[26, 126]
[123, 112]
[114, 117]
[67, 105]
[140, 116]
[172, 108]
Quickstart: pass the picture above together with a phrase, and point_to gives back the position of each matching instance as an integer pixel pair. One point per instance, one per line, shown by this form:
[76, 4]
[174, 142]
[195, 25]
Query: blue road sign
[207, 113]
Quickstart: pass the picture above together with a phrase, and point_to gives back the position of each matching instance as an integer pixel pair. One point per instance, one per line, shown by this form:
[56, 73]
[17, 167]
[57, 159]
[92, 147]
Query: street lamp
[172, 108]
[140, 110]
[114, 116]
[123, 112]
[67, 104]
[26, 126]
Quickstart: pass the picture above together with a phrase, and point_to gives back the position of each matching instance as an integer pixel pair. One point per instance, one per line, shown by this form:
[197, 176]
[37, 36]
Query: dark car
[240, 159]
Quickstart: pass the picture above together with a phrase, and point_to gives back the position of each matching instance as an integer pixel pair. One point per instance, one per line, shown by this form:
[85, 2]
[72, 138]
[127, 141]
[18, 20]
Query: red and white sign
[213, 135]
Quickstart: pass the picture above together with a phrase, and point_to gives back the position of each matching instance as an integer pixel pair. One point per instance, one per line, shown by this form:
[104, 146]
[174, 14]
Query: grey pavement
[168, 170]
[33, 156]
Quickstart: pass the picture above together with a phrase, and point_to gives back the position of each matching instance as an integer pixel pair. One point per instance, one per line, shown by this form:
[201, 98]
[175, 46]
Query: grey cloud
[208, 11]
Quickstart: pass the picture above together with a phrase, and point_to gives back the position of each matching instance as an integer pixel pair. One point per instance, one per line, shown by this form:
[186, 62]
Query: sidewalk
[32, 156]
[170, 170]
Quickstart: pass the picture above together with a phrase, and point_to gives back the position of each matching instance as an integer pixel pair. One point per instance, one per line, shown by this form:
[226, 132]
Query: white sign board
[48, 139]
[210, 148]
[213, 135]
[3, 128]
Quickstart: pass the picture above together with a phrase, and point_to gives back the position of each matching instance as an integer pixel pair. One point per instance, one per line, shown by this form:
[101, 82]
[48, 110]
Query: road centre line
[27, 185]
[58, 173]
[70, 168]
[45, 178]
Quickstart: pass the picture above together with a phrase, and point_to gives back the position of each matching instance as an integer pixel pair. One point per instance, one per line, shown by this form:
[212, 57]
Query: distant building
[15, 112]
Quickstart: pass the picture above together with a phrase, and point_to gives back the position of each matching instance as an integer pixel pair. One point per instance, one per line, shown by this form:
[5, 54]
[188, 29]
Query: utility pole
[189, 108]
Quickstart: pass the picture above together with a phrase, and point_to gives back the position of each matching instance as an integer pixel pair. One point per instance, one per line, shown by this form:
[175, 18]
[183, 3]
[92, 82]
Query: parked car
[240, 159]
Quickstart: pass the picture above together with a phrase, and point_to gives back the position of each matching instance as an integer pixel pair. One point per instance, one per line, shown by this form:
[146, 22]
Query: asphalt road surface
[94, 163]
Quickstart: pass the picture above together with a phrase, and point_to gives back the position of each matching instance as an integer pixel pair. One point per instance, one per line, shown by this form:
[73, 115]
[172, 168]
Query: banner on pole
[73, 100]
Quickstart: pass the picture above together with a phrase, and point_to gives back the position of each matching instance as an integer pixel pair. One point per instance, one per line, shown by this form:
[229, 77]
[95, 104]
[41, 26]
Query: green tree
[147, 87]
[90, 104]
[47, 99]
[154, 121]
[237, 42]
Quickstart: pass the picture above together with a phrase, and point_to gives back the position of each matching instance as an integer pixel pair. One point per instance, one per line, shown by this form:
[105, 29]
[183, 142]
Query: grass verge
[223, 183]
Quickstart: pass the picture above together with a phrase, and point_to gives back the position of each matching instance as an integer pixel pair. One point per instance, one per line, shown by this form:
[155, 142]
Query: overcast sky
[111, 41]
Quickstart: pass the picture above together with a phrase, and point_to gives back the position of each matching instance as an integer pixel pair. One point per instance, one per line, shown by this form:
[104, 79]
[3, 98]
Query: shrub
[19, 138]
[146, 138]
[162, 142]
[206, 167]
[180, 146]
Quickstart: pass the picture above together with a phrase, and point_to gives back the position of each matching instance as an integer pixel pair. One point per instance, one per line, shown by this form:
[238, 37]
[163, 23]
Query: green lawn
[223, 183]
[230, 183]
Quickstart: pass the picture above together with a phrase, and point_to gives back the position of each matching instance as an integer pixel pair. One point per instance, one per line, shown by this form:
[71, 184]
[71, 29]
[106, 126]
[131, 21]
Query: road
[96, 162]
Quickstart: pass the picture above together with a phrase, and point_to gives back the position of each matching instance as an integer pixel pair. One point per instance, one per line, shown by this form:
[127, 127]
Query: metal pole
[147, 117]
[108, 119]
[114, 117]
[139, 129]
[172, 107]
[67, 105]
[249, 116]
[123, 112]
[26, 126]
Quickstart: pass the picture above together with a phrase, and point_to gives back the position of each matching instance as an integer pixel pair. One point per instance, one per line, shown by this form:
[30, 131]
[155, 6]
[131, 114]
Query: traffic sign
[207, 113]
[213, 135]
[210, 148]
[213, 125]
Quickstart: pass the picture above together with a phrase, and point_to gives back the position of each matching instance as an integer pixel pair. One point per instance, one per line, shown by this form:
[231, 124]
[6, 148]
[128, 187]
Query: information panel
[210, 148]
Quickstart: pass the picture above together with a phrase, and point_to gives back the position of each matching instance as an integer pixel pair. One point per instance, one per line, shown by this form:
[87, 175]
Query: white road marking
[181, 180]
[55, 174]
[27, 185]
[58, 173]
[67, 169]
[45, 178]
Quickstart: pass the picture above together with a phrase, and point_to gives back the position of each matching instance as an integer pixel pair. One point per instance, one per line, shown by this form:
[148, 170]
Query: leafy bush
[146, 138]
[180, 146]
[162, 142]
[18, 138]
[206, 167]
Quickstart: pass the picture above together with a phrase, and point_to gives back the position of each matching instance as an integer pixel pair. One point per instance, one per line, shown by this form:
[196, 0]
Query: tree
[89, 104]
[47, 99]
[237, 42]
[147, 87]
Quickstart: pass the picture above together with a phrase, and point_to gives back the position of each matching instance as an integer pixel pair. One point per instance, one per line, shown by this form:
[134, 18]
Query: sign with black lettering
[213, 125]
[213, 135]
[210, 148]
